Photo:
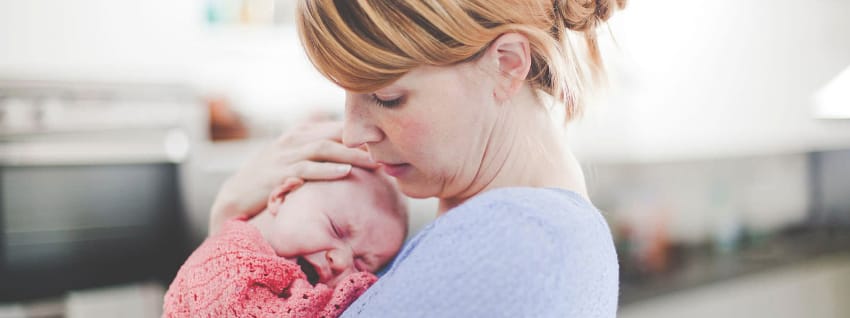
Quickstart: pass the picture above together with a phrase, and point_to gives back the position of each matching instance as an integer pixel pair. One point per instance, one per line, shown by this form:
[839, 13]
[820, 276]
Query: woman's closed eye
[385, 102]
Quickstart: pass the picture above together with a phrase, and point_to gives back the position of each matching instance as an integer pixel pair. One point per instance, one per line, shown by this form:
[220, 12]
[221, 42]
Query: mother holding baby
[454, 99]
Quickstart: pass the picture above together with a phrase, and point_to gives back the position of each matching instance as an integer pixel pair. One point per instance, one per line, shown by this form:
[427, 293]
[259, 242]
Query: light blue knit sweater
[510, 252]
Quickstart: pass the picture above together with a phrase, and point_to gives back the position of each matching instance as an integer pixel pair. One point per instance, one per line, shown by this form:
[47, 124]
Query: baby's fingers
[346, 291]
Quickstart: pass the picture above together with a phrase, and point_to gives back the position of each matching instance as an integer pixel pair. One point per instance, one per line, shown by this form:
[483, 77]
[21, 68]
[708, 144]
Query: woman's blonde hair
[364, 45]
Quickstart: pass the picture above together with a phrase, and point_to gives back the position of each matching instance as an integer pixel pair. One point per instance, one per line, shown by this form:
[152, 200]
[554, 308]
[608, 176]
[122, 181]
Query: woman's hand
[311, 151]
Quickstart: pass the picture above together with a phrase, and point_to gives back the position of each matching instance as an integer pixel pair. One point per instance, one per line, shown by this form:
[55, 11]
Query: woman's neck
[526, 148]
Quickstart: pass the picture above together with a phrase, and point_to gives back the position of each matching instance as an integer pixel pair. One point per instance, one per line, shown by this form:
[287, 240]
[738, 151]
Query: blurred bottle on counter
[726, 227]
[642, 231]
[249, 12]
[224, 122]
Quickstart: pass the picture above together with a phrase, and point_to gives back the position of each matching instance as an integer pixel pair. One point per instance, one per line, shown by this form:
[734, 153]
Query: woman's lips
[396, 170]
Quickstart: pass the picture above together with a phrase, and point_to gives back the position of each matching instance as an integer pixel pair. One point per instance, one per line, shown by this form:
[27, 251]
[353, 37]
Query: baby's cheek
[284, 252]
[288, 247]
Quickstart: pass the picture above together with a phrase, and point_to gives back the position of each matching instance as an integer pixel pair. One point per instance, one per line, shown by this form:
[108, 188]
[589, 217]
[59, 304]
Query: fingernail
[345, 168]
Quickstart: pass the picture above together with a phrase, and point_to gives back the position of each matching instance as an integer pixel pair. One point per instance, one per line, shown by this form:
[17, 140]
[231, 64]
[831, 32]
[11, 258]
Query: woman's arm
[311, 151]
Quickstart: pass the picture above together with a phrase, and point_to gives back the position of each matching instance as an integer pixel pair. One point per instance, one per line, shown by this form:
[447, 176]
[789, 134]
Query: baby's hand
[346, 292]
[305, 300]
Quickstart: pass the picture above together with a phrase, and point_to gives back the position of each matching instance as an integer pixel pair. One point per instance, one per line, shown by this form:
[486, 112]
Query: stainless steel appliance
[829, 188]
[90, 184]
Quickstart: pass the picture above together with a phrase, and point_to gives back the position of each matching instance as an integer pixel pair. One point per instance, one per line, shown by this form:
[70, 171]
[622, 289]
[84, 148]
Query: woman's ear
[279, 193]
[511, 53]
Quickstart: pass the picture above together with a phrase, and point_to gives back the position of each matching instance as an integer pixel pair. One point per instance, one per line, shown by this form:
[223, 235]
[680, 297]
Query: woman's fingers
[310, 132]
[311, 170]
[311, 151]
[321, 141]
[331, 151]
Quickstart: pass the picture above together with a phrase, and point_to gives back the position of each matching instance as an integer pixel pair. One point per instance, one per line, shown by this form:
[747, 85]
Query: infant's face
[333, 229]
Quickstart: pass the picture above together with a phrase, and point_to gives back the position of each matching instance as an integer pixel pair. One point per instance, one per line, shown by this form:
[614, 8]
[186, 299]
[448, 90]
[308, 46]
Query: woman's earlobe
[501, 94]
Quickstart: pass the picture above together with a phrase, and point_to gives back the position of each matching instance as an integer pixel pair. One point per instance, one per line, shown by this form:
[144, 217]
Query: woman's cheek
[410, 133]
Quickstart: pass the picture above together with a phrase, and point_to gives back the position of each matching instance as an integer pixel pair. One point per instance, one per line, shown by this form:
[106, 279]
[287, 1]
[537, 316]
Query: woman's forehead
[427, 73]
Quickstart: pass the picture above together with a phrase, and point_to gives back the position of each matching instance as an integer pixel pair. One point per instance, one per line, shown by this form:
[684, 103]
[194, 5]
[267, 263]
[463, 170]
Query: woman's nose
[358, 128]
[340, 259]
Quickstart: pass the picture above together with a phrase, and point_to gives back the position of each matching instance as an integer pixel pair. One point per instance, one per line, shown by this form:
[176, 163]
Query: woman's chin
[416, 191]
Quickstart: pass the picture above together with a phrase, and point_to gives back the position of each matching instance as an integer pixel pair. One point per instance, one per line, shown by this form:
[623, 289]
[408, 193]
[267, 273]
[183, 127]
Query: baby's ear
[280, 192]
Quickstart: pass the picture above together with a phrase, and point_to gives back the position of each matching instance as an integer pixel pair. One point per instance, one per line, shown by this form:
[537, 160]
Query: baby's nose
[340, 260]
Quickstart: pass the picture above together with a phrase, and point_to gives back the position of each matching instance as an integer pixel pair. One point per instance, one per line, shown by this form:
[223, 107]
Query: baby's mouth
[309, 270]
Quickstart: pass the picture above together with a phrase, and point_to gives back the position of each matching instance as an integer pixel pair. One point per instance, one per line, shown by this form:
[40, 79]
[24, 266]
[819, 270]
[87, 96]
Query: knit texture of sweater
[509, 252]
[236, 273]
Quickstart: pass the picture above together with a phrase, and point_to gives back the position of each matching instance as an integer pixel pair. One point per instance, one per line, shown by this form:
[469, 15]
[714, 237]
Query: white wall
[262, 69]
[691, 79]
[98, 39]
[719, 78]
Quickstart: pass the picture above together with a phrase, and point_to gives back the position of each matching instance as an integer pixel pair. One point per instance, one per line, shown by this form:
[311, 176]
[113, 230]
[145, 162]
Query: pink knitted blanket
[236, 273]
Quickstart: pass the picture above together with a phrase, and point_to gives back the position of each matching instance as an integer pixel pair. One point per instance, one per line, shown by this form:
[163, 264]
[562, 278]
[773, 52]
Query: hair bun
[584, 15]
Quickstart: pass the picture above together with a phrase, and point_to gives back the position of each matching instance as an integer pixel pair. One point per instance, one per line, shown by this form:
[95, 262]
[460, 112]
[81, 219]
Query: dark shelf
[695, 266]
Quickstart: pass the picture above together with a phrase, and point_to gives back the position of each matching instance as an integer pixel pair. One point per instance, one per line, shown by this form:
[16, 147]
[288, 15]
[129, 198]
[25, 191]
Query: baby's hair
[365, 45]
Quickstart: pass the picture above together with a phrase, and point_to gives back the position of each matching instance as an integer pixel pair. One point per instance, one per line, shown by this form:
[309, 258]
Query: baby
[310, 253]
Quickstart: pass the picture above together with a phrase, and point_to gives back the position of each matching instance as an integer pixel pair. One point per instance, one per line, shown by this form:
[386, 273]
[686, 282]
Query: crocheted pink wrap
[236, 273]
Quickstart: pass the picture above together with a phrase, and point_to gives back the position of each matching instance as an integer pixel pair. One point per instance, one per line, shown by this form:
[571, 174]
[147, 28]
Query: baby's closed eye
[336, 229]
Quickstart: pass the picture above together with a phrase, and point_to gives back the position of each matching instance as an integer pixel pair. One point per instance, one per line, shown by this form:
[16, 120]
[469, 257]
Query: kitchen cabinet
[816, 288]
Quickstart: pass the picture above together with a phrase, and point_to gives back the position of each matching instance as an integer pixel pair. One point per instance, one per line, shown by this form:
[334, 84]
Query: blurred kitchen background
[720, 155]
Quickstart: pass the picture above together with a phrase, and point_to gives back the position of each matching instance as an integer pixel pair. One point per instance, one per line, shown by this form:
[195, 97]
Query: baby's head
[335, 228]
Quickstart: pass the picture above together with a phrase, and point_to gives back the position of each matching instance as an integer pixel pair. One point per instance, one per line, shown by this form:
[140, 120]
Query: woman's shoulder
[550, 224]
[523, 216]
[559, 229]
[512, 251]
[554, 209]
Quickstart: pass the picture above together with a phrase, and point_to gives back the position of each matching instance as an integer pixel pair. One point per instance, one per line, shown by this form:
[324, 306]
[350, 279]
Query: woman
[453, 98]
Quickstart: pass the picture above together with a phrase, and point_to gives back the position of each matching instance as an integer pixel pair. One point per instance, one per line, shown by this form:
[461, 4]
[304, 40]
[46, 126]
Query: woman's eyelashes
[387, 103]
